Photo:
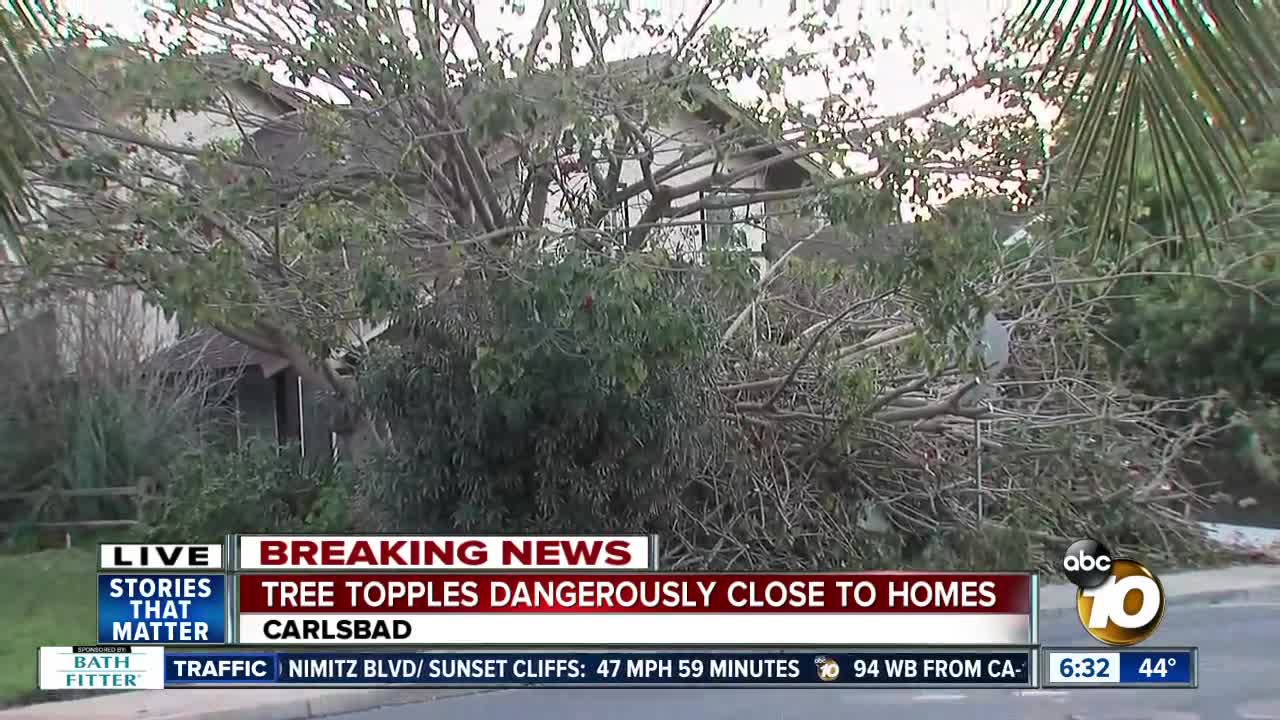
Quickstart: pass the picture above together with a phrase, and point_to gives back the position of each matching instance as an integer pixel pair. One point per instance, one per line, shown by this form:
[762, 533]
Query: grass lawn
[48, 598]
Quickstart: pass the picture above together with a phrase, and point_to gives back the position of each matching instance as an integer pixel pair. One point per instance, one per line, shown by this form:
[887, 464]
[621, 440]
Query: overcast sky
[896, 86]
[941, 26]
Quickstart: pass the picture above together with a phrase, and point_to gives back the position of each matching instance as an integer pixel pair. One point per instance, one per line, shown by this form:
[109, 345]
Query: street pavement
[1239, 680]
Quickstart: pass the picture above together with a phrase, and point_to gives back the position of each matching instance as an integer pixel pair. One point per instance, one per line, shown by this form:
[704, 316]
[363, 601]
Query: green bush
[90, 435]
[567, 399]
[1193, 336]
[1207, 323]
[261, 487]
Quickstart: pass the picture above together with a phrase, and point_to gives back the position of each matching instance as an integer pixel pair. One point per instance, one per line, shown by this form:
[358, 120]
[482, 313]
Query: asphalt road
[1239, 680]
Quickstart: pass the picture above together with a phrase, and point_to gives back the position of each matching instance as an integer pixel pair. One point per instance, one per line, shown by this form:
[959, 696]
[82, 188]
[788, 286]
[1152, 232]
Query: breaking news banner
[101, 667]
[1119, 601]
[637, 610]
[885, 668]
[444, 552]
[1121, 667]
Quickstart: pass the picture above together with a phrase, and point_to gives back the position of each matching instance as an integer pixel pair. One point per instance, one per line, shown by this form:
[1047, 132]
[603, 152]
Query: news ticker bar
[152, 667]
[125, 667]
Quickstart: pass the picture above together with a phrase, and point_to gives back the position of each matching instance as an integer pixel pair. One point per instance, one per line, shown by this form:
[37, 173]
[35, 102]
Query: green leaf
[1197, 66]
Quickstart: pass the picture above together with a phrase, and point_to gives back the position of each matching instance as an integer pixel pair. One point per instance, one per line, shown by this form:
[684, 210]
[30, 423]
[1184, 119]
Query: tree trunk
[357, 437]
[357, 441]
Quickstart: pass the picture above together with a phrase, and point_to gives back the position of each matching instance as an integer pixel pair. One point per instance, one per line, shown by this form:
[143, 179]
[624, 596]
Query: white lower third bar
[636, 629]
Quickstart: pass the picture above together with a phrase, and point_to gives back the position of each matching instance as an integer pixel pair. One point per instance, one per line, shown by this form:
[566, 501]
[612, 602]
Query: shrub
[1212, 329]
[261, 487]
[91, 435]
[1192, 336]
[567, 399]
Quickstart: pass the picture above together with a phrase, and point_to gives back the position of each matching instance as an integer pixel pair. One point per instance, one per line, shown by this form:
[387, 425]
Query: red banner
[375, 553]
[892, 592]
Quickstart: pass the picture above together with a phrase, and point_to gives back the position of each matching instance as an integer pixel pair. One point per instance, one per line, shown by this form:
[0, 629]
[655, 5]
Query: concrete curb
[336, 704]
[1232, 584]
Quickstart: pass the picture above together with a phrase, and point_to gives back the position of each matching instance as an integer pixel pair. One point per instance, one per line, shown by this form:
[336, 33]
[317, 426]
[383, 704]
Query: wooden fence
[35, 498]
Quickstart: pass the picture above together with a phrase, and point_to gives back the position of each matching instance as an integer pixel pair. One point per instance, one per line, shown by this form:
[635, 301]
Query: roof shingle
[211, 350]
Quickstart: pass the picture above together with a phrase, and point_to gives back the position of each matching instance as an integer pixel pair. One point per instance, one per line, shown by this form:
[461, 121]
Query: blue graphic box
[186, 609]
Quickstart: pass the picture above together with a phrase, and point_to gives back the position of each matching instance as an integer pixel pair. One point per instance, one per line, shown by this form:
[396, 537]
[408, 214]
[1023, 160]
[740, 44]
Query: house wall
[188, 128]
[683, 236]
[26, 345]
[118, 325]
[109, 329]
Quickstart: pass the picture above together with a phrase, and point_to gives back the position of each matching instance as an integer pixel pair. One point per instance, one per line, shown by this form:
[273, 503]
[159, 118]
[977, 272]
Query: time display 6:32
[1084, 667]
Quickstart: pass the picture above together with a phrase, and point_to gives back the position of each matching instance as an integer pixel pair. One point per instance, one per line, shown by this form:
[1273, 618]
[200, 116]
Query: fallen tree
[878, 401]
[557, 353]
[847, 427]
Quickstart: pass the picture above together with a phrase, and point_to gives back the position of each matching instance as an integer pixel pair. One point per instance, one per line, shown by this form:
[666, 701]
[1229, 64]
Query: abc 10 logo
[1119, 601]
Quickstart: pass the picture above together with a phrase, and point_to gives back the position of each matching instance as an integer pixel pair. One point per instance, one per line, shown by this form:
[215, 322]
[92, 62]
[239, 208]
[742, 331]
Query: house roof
[231, 67]
[287, 144]
[837, 244]
[710, 103]
[294, 152]
[210, 350]
[718, 100]
[79, 96]
[841, 245]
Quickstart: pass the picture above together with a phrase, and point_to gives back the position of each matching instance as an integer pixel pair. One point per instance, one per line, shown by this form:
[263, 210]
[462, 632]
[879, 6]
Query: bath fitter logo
[101, 667]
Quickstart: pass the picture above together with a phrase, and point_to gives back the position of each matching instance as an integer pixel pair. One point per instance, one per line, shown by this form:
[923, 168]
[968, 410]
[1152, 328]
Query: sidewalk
[265, 704]
[1226, 584]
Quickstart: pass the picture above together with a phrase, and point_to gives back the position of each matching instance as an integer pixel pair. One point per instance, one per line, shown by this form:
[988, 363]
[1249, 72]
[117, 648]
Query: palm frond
[22, 24]
[1179, 75]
